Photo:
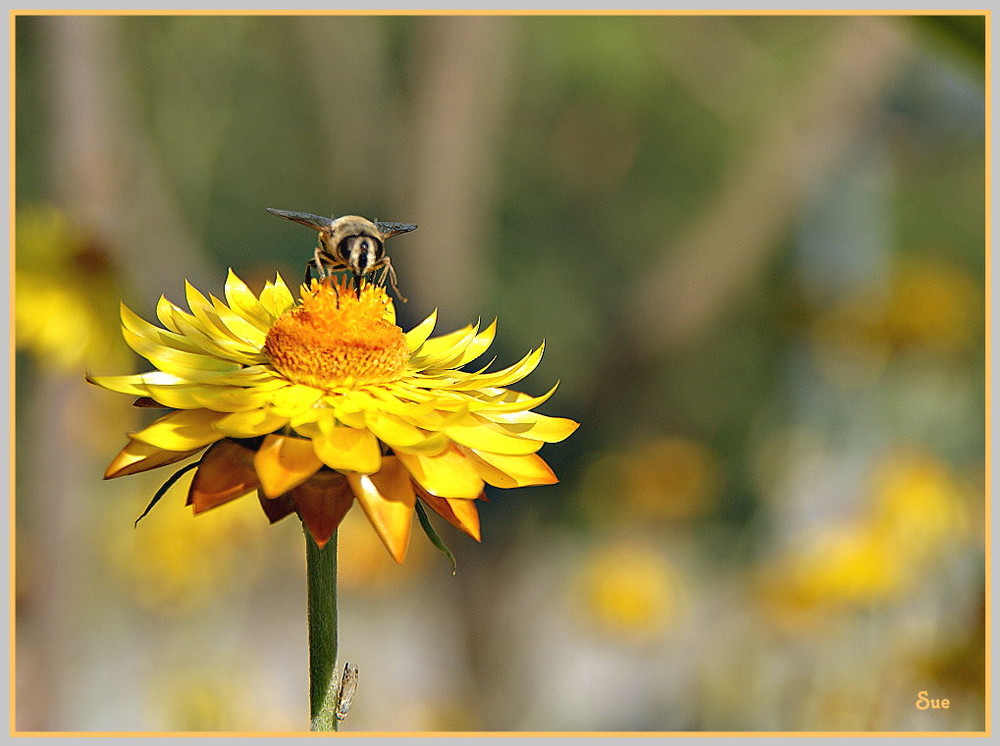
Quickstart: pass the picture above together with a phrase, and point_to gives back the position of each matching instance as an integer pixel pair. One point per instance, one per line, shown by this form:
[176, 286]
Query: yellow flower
[317, 404]
[63, 279]
[916, 514]
[631, 590]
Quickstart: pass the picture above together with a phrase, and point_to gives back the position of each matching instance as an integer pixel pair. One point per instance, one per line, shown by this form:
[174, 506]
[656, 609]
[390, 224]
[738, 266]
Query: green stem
[321, 578]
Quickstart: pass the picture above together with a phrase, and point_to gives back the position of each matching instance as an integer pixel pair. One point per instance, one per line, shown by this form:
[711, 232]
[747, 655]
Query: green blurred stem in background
[321, 578]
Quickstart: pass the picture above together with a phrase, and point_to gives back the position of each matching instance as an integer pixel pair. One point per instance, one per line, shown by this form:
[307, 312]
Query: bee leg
[319, 264]
[392, 280]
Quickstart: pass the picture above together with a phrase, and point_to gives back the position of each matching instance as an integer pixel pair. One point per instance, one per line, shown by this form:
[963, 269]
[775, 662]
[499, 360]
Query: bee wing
[303, 218]
[391, 229]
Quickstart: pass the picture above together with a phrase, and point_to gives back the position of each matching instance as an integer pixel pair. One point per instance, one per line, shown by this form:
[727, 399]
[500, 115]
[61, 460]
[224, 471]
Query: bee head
[362, 253]
[358, 242]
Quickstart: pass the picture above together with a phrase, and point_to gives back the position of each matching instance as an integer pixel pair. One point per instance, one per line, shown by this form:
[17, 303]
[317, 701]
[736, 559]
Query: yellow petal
[226, 472]
[179, 362]
[441, 417]
[176, 397]
[239, 326]
[203, 310]
[257, 376]
[393, 431]
[290, 401]
[284, 463]
[349, 418]
[131, 385]
[475, 432]
[462, 514]
[448, 474]
[512, 471]
[308, 429]
[250, 423]
[432, 445]
[245, 303]
[137, 456]
[504, 377]
[183, 430]
[151, 383]
[479, 344]
[491, 399]
[254, 375]
[387, 499]
[233, 398]
[276, 298]
[143, 329]
[347, 449]
[307, 418]
[165, 313]
[535, 426]
[212, 342]
[349, 407]
[399, 399]
[444, 351]
[419, 334]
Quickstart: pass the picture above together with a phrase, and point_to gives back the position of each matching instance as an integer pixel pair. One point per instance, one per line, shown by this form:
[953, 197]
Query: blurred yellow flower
[180, 564]
[323, 402]
[916, 512]
[630, 589]
[933, 303]
[63, 286]
[929, 305]
[919, 505]
[846, 565]
[672, 478]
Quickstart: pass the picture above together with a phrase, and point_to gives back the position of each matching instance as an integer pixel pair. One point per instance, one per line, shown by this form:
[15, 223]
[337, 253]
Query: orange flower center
[334, 338]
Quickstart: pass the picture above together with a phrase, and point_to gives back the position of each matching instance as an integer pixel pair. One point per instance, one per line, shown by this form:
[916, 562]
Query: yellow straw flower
[317, 404]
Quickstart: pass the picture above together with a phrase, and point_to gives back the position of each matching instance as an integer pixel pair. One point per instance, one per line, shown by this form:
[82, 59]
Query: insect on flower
[350, 242]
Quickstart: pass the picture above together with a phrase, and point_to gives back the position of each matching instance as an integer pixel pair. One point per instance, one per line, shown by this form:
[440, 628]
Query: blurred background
[754, 247]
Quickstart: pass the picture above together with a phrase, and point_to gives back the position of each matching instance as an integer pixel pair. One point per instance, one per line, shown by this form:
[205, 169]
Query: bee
[350, 242]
